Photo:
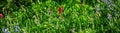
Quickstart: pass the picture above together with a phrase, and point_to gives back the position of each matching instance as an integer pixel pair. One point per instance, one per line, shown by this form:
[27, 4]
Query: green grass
[79, 16]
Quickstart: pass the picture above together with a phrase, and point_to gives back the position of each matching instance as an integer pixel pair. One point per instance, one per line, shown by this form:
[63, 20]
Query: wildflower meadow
[59, 16]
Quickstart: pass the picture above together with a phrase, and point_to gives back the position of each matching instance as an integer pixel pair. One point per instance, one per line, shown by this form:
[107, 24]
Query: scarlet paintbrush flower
[1, 15]
[60, 9]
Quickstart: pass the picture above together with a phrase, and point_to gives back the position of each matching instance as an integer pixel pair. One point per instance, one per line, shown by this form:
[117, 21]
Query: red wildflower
[60, 9]
[1, 15]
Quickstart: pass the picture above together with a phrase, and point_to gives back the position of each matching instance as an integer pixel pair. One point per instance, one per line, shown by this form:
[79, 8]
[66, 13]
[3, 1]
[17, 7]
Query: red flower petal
[1, 15]
[60, 9]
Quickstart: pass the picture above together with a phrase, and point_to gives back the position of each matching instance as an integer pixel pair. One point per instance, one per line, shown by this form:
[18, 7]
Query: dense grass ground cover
[42, 16]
